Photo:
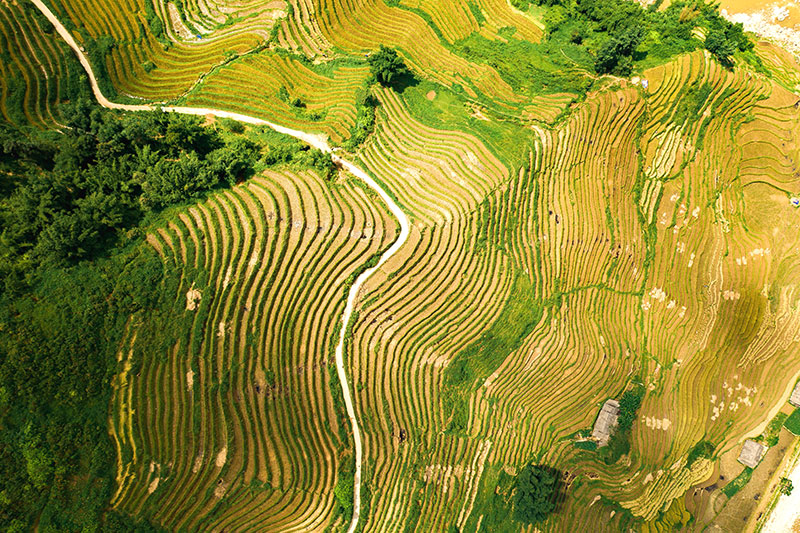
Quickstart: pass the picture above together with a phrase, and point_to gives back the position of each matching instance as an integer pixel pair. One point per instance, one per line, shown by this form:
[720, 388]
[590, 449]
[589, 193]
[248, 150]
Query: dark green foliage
[72, 273]
[620, 33]
[301, 155]
[365, 122]
[536, 493]
[786, 486]
[386, 66]
[589, 445]
[57, 355]
[343, 491]
[629, 403]
[153, 20]
[722, 48]
[703, 449]
[97, 50]
[616, 54]
[737, 483]
[79, 190]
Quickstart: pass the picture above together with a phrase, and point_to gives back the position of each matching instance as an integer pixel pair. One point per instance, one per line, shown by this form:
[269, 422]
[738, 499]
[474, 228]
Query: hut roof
[751, 453]
[606, 422]
[794, 399]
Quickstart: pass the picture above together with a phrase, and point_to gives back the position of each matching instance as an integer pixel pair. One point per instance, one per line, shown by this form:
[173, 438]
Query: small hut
[606, 422]
[751, 453]
[794, 399]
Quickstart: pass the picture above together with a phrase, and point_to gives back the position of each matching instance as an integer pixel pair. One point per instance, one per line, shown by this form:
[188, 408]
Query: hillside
[510, 213]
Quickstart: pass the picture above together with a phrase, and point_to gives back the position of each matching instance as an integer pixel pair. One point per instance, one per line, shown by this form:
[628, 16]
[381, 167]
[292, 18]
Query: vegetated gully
[319, 142]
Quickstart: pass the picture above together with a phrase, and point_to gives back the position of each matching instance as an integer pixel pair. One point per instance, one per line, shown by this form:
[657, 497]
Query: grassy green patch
[792, 422]
[520, 314]
[532, 68]
[772, 431]
[450, 110]
[737, 483]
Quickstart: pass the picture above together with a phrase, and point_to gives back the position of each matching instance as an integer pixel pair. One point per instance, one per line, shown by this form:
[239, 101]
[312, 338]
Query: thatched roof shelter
[606, 422]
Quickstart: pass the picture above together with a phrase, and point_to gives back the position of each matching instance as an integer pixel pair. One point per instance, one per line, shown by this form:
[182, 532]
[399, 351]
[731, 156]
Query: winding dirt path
[317, 141]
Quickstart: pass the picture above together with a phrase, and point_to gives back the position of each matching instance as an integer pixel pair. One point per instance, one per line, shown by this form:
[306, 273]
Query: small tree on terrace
[722, 48]
[536, 493]
[386, 66]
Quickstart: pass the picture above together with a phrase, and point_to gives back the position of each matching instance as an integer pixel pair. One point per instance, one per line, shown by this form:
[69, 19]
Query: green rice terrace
[397, 266]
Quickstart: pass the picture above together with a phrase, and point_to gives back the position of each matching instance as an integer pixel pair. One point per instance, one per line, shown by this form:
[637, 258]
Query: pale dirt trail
[319, 142]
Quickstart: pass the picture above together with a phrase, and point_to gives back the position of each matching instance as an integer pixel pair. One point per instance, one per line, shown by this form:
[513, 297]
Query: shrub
[386, 66]
[536, 493]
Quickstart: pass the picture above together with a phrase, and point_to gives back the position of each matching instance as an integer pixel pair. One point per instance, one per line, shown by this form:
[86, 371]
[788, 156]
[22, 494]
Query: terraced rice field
[328, 102]
[645, 234]
[36, 70]
[236, 425]
[137, 62]
[629, 209]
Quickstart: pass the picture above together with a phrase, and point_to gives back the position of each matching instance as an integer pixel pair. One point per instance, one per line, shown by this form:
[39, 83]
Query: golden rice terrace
[397, 265]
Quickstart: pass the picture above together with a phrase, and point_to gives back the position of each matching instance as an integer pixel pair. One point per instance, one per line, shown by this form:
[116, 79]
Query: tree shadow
[403, 82]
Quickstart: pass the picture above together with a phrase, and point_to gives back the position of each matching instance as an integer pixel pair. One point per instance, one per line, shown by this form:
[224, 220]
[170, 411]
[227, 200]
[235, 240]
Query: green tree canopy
[386, 66]
[722, 48]
[536, 493]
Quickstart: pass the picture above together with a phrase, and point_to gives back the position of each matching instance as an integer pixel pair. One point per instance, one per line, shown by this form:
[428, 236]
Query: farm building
[794, 399]
[751, 453]
[606, 422]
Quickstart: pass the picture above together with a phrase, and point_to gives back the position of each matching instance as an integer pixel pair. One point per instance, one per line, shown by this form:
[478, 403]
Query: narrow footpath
[317, 141]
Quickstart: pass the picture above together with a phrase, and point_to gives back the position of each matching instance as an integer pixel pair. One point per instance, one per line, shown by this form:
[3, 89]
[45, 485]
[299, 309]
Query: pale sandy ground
[785, 516]
[778, 21]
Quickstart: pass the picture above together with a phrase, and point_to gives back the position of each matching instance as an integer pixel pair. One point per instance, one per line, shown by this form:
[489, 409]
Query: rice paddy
[564, 248]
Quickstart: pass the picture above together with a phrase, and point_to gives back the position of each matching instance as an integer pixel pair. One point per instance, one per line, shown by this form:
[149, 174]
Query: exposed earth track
[319, 142]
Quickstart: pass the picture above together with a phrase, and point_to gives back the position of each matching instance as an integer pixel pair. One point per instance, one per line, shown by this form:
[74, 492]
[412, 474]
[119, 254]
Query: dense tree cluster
[536, 493]
[75, 192]
[386, 66]
[620, 32]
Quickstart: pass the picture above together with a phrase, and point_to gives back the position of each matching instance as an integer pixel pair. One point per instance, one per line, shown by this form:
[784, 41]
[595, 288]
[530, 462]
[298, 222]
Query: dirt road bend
[317, 141]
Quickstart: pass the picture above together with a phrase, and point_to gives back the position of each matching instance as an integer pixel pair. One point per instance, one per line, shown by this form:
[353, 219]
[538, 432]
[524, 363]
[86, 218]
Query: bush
[536, 494]
[365, 122]
[619, 443]
[386, 66]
